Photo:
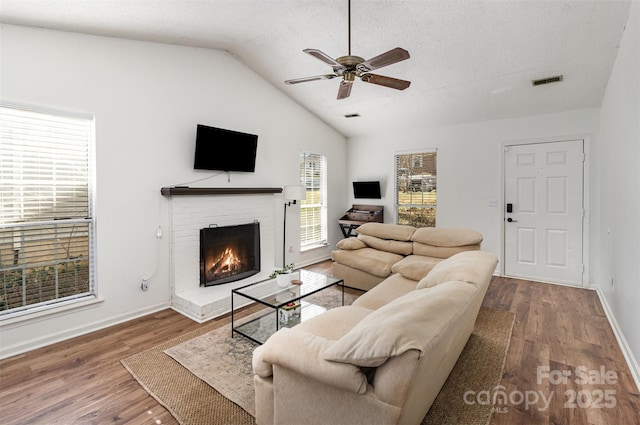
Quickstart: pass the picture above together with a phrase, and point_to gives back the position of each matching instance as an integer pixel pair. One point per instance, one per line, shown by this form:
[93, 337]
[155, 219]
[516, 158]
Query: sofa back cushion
[474, 267]
[407, 323]
[442, 242]
[447, 237]
[388, 245]
[441, 251]
[397, 232]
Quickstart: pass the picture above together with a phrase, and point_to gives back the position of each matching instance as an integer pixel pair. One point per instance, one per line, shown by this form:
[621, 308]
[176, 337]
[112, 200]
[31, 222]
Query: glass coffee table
[286, 307]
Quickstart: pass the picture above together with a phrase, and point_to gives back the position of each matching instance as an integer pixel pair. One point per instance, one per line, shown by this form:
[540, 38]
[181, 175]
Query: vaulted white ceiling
[470, 60]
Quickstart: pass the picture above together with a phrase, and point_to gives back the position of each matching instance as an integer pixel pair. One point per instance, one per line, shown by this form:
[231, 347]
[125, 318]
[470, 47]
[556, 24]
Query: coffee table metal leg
[232, 310]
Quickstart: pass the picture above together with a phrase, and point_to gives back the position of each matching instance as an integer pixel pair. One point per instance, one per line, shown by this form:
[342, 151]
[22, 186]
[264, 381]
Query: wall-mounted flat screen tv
[225, 150]
[368, 190]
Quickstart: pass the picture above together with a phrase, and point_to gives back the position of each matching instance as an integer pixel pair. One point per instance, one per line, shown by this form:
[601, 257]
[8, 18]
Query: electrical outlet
[159, 232]
[611, 282]
[144, 283]
[290, 248]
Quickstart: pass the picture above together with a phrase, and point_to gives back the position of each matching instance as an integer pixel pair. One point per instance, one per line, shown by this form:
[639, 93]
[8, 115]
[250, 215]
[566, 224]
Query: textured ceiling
[470, 60]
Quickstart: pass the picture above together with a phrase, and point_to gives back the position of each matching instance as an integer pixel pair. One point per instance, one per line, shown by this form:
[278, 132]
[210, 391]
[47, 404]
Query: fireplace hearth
[229, 253]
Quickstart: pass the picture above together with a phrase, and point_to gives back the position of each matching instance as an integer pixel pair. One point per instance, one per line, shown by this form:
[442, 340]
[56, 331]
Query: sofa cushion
[441, 251]
[373, 261]
[351, 243]
[398, 232]
[415, 267]
[447, 237]
[302, 352]
[389, 245]
[470, 266]
[408, 323]
[386, 291]
[335, 323]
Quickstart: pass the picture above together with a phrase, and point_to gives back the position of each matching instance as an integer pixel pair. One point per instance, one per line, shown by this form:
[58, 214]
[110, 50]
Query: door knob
[510, 220]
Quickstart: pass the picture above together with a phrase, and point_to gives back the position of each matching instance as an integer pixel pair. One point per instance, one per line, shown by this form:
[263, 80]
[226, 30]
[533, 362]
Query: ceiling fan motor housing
[349, 61]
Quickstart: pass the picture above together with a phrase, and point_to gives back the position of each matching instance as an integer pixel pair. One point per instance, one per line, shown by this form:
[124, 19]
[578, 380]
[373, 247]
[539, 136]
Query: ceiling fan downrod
[349, 31]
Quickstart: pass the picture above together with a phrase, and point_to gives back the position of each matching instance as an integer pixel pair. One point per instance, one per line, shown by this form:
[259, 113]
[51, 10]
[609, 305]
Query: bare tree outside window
[416, 189]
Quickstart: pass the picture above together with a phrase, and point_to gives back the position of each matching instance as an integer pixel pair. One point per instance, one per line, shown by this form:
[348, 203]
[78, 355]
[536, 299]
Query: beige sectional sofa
[381, 360]
[381, 249]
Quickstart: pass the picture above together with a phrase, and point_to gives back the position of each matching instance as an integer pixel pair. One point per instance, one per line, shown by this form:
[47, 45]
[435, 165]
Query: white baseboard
[622, 342]
[24, 346]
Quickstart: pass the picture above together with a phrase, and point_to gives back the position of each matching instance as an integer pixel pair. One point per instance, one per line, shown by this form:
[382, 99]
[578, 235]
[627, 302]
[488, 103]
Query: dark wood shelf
[174, 191]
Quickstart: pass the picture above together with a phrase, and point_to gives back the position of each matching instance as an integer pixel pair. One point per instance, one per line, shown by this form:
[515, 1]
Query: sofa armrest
[302, 352]
[351, 244]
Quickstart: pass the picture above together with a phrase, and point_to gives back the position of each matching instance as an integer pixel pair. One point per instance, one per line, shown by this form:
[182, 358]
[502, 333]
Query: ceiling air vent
[352, 115]
[549, 80]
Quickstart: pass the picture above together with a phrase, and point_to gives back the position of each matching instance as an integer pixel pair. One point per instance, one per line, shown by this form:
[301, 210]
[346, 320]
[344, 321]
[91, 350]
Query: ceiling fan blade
[381, 80]
[392, 56]
[315, 78]
[345, 89]
[324, 58]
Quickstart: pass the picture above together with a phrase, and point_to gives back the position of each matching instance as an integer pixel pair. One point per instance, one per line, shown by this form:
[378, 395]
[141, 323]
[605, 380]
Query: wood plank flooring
[563, 329]
[560, 346]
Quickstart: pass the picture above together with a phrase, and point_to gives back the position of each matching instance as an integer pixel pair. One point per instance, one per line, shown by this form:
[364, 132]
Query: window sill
[46, 311]
[314, 246]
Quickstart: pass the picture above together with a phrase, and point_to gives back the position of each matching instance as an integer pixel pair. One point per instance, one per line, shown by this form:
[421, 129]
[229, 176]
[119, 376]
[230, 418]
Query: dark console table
[359, 215]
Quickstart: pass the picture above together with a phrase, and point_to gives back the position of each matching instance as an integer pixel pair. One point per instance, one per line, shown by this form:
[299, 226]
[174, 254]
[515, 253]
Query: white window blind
[416, 188]
[313, 216]
[46, 217]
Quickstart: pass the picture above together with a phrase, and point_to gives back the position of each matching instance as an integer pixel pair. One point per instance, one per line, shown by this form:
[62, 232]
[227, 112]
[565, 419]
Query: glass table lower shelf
[259, 329]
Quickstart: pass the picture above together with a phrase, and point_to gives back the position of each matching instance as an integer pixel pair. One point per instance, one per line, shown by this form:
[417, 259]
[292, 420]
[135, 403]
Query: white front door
[544, 211]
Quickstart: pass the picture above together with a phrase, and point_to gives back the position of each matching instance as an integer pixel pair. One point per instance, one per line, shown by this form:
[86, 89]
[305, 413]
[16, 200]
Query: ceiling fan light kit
[349, 67]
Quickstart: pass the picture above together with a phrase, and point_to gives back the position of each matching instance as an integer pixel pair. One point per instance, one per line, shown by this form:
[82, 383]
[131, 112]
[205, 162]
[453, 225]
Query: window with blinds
[416, 188]
[46, 217]
[313, 213]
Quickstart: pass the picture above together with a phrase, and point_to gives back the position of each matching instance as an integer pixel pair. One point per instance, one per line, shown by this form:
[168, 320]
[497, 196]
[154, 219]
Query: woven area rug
[196, 396]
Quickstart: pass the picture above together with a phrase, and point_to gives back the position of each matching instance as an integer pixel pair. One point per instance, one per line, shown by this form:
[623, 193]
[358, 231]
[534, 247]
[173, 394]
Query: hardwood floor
[562, 329]
[562, 348]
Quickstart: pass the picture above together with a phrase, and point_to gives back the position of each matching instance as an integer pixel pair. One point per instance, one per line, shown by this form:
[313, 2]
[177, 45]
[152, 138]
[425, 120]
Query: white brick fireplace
[191, 213]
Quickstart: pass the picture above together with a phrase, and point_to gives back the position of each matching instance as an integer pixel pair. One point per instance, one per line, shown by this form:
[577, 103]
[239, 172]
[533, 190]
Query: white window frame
[321, 239]
[55, 227]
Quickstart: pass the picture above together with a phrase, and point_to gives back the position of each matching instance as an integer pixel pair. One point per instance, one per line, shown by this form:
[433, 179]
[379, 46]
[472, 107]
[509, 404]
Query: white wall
[469, 174]
[147, 99]
[469, 164]
[617, 232]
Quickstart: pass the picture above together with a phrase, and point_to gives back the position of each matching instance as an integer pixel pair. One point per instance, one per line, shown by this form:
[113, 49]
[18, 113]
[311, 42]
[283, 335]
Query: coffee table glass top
[268, 292]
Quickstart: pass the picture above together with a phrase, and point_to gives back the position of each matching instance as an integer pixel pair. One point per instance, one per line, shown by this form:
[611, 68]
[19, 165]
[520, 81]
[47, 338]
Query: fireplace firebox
[229, 253]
